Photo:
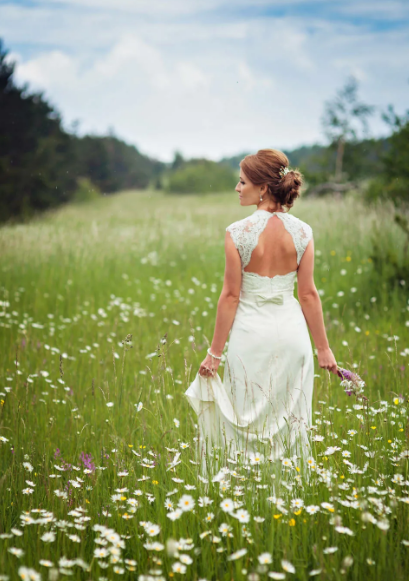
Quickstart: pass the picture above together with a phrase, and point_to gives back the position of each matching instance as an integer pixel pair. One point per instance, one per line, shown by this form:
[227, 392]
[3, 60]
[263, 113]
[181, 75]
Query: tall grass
[92, 420]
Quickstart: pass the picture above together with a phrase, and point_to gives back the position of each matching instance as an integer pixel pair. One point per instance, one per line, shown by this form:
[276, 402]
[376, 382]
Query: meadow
[106, 312]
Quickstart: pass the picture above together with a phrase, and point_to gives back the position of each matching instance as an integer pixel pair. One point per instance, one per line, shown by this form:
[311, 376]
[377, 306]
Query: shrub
[391, 259]
[396, 190]
[86, 191]
[201, 176]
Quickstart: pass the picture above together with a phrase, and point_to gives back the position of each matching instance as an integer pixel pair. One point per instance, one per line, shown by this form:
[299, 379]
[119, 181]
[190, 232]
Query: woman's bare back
[275, 253]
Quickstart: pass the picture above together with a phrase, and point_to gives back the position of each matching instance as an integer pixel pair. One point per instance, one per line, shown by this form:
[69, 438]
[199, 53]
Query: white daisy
[331, 450]
[344, 530]
[48, 537]
[312, 509]
[287, 566]
[185, 559]
[175, 514]
[28, 573]
[46, 563]
[242, 515]
[178, 567]
[227, 505]
[186, 502]
[152, 530]
[154, 546]
[297, 503]
[100, 553]
[16, 551]
[237, 555]
[265, 559]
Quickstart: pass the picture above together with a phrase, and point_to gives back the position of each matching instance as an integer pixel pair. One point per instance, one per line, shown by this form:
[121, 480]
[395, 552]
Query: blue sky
[208, 77]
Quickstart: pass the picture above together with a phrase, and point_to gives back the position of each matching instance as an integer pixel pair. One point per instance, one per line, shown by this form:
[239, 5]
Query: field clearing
[90, 423]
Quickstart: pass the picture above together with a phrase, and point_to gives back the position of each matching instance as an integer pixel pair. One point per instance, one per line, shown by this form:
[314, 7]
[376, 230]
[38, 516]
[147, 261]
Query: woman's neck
[268, 208]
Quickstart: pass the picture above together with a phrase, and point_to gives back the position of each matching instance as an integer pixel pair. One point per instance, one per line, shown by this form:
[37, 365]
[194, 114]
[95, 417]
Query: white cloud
[191, 76]
[132, 56]
[48, 71]
[174, 75]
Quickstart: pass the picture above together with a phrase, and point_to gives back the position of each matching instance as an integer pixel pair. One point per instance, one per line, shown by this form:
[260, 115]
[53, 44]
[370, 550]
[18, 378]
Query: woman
[263, 405]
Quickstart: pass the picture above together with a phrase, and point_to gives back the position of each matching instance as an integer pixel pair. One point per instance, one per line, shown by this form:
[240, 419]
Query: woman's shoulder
[303, 226]
[239, 224]
[244, 223]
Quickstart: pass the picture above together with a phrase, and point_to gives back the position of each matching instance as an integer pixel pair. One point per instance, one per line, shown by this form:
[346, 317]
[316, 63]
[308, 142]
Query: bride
[263, 405]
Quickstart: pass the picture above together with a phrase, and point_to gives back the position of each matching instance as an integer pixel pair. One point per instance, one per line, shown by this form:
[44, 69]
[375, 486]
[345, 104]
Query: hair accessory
[284, 171]
[215, 356]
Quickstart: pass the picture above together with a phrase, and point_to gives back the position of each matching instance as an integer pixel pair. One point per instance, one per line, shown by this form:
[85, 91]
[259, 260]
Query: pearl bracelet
[215, 356]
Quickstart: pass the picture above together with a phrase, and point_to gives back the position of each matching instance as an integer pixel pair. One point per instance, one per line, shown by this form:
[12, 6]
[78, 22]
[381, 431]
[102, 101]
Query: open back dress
[262, 407]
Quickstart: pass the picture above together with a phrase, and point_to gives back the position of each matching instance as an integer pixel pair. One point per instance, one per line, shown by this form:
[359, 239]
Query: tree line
[42, 165]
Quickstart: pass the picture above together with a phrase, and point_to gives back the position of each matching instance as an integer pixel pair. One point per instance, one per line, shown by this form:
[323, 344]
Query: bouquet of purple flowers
[352, 383]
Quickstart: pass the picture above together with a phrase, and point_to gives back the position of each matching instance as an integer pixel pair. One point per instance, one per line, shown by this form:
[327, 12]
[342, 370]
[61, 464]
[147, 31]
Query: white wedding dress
[263, 405]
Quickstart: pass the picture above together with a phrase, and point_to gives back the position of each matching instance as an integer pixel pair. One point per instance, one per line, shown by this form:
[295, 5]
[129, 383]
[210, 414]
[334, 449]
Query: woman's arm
[227, 303]
[229, 297]
[226, 311]
[311, 305]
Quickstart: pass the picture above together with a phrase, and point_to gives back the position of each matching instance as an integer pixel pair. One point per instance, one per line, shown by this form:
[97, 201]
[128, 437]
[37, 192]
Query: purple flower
[348, 375]
[87, 461]
[353, 383]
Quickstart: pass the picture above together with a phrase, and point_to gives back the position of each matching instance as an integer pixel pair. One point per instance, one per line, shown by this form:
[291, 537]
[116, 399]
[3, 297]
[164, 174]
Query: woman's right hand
[326, 360]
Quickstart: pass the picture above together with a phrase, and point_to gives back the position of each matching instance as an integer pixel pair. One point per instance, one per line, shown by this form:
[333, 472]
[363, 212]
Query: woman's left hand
[208, 367]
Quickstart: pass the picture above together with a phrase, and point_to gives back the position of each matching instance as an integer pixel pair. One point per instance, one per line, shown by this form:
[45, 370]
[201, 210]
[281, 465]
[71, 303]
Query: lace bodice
[245, 234]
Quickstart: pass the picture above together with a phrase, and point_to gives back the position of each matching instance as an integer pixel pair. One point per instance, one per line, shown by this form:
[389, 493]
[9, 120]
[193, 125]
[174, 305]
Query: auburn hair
[264, 167]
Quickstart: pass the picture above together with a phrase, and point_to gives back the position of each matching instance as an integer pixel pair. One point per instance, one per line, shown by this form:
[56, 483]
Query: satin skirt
[263, 404]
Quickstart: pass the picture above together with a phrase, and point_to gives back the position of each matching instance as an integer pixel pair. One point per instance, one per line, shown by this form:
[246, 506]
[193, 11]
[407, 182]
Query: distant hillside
[197, 175]
[306, 155]
[234, 161]
[113, 165]
[317, 162]
[302, 155]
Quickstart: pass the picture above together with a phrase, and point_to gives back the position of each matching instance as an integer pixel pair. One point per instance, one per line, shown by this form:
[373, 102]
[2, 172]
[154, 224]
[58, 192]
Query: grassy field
[98, 467]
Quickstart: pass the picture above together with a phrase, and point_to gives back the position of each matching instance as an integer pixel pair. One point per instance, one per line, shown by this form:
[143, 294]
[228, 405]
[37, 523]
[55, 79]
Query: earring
[261, 199]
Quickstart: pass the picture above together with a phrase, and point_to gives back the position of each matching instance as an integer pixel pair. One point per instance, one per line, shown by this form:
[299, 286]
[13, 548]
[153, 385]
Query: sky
[208, 78]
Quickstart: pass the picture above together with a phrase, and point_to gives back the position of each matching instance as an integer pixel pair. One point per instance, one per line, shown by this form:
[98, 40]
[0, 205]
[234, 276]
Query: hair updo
[264, 167]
